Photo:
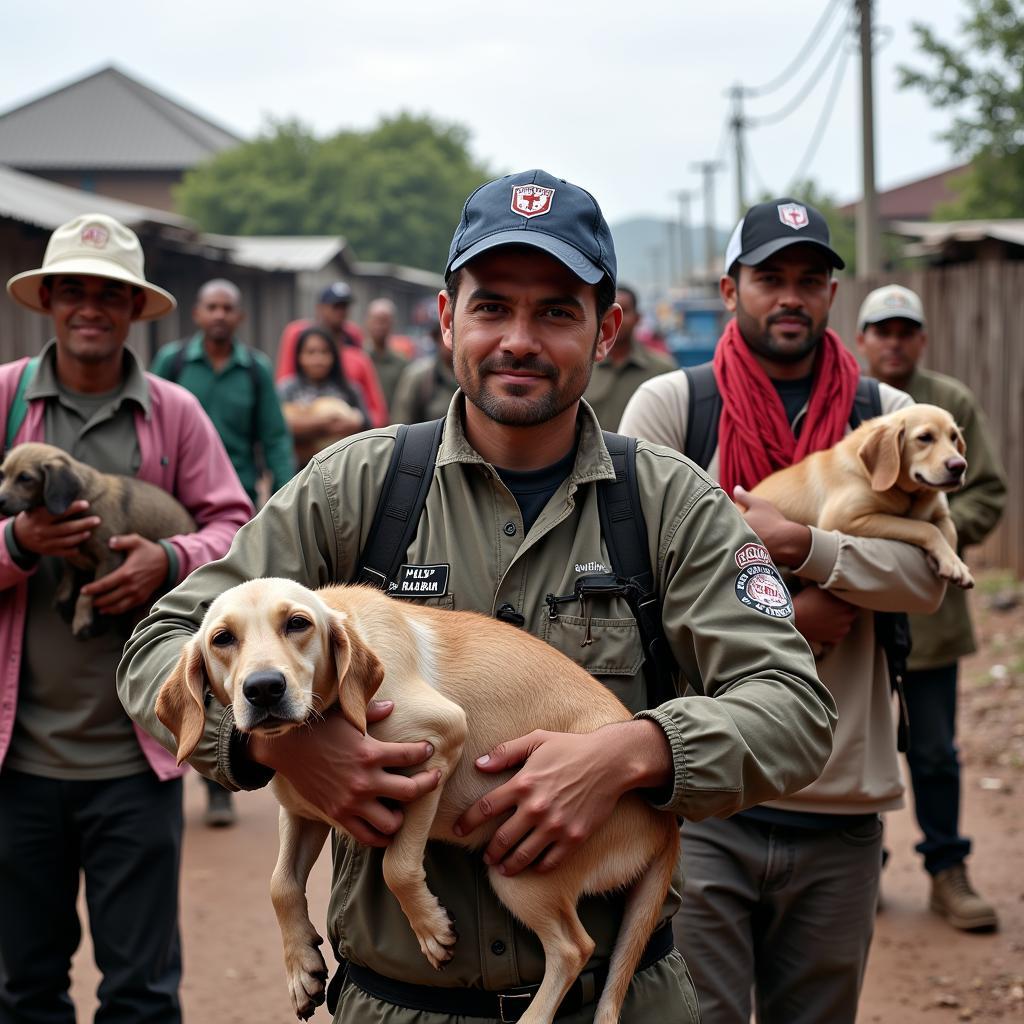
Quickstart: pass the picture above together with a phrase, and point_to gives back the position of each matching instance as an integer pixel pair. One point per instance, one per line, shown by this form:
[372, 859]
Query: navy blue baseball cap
[336, 294]
[534, 208]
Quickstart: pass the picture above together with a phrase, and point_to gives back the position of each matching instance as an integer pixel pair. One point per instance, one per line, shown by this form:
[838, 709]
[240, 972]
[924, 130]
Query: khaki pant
[782, 913]
[663, 994]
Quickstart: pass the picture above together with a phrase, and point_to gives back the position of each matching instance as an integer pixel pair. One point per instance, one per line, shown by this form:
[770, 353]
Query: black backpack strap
[401, 501]
[867, 402]
[625, 534]
[177, 363]
[702, 414]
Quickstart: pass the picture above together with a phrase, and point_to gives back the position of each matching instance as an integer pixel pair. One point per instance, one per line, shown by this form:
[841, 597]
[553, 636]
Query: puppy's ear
[360, 672]
[961, 445]
[880, 455]
[179, 704]
[60, 486]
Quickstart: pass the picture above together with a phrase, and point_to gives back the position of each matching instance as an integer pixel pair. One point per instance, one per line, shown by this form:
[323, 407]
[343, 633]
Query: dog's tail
[643, 906]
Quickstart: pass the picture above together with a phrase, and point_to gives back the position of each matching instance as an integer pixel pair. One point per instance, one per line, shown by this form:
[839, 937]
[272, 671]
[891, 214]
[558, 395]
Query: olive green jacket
[612, 384]
[947, 635]
[765, 728]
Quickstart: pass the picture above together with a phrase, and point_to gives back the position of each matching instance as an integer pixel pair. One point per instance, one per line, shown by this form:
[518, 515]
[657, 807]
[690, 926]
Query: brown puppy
[35, 475]
[279, 653]
[887, 479]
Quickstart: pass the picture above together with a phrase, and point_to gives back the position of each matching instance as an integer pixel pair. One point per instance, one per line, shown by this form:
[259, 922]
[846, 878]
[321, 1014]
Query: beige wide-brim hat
[99, 246]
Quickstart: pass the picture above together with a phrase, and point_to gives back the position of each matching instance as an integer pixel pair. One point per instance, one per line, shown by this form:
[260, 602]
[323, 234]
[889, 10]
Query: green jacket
[947, 635]
[764, 729]
[229, 395]
[612, 384]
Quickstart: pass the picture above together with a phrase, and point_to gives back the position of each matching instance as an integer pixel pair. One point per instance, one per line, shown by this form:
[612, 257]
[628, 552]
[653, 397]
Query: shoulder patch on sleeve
[759, 585]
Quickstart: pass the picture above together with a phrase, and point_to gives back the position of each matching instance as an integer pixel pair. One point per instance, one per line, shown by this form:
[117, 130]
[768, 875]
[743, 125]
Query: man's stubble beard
[763, 344]
[507, 410]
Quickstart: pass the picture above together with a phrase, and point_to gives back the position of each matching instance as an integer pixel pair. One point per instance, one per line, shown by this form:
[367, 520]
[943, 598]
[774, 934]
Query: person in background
[390, 354]
[892, 339]
[319, 404]
[332, 311]
[82, 792]
[425, 389]
[625, 368]
[233, 383]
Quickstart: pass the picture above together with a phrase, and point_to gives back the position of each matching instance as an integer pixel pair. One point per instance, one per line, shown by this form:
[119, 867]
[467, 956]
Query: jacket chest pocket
[608, 648]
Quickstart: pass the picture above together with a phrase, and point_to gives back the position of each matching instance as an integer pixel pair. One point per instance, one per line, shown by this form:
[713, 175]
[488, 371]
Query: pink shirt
[181, 453]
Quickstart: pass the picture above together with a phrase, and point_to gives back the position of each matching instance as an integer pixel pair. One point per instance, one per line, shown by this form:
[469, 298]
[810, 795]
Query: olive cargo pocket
[609, 649]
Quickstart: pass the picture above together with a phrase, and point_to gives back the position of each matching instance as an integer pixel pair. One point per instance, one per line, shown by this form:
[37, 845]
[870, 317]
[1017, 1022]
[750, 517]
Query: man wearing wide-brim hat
[81, 790]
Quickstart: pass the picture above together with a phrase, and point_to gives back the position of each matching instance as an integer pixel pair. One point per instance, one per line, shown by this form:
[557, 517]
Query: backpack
[404, 494]
[892, 629]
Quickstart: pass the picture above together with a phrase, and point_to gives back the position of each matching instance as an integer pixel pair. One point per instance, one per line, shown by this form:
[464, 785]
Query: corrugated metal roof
[32, 200]
[411, 275]
[281, 252]
[108, 121]
[935, 233]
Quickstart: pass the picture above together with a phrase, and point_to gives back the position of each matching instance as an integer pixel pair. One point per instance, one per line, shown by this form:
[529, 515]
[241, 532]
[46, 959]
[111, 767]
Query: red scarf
[754, 436]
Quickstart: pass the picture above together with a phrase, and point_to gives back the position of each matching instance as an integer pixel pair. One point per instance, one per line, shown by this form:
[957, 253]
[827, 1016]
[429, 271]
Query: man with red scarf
[780, 899]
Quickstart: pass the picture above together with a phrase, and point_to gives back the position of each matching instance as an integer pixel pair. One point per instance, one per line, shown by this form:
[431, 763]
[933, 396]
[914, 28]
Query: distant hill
[642, 248]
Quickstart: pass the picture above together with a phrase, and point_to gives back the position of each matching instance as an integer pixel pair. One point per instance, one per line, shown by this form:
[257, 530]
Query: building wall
[146, 188]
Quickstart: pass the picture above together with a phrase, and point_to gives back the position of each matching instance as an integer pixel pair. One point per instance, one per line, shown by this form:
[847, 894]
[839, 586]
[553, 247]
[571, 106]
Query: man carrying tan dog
[892, 338]
[510, 528]
[780, 899]
[81, 790]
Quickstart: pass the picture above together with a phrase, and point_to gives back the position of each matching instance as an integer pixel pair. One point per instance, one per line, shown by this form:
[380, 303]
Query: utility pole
[670, 244]
[869, 248]
[687, 259]
[738, 124]
[709, 168]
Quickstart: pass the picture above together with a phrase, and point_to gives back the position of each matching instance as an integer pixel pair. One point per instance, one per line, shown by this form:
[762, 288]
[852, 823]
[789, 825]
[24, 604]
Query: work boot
[954, 898]
[220, 811]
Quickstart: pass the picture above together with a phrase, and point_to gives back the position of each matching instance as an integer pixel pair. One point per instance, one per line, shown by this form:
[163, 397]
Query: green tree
[394, 192]
[981, 79]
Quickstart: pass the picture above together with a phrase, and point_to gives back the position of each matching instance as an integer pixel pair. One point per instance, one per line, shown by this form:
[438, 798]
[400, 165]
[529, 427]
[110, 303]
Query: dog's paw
[307, 979]
[437, 936]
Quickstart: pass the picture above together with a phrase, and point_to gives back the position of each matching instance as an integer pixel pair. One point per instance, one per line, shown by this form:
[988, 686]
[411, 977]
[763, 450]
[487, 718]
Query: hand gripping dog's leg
[301, 842]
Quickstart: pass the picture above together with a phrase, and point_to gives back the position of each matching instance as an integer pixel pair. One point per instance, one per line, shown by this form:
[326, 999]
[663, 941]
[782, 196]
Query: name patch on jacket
[420, 581]
[759, 585]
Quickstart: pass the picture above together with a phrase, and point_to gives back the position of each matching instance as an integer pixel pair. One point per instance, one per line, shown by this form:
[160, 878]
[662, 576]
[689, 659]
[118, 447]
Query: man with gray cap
[892, 339]
[779, 899]
[81, 790]
[511, 527]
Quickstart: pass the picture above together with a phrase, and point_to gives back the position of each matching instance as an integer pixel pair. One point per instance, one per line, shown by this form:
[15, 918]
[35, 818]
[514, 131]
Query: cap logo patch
[95, 235]
[531, 200]
[793, 215]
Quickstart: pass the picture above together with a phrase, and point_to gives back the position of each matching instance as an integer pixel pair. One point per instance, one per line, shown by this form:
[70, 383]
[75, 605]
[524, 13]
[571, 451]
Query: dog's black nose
[264, 689]
[956, 464]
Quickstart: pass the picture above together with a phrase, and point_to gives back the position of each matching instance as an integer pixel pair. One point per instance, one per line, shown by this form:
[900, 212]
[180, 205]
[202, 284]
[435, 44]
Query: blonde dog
[279, 653]
[41, 475]
[887, 478]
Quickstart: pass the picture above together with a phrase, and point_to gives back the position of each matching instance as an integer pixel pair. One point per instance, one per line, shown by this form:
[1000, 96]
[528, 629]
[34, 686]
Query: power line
[822, 124]
[812, 81]
[784, 76]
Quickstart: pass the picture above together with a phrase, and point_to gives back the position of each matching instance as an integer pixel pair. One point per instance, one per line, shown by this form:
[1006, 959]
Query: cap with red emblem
[536, 209]
[777, 224]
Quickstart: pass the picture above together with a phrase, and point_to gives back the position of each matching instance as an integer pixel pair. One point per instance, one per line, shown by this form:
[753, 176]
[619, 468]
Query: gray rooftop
[108, 121]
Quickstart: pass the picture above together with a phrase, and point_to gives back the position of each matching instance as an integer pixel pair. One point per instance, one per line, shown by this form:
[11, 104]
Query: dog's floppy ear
[961, 444]
[880, 454]
[60, 486]
[360, 672]
[179, 704]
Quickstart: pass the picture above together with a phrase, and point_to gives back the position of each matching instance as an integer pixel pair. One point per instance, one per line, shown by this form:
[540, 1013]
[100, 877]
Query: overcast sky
[618, 97]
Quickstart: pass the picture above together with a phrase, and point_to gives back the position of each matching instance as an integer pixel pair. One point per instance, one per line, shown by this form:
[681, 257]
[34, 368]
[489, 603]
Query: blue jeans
[935, 766]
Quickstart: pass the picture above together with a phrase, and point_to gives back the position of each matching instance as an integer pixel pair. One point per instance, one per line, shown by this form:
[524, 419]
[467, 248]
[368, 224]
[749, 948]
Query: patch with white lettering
[420, 581]
[759, 586]
[750, 553]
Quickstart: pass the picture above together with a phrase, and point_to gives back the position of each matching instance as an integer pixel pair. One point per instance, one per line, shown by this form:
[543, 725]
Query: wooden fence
[975, 320]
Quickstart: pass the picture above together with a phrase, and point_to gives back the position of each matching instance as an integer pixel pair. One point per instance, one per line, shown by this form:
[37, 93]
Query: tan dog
[35, 475]
[279, 653]
[886, 479]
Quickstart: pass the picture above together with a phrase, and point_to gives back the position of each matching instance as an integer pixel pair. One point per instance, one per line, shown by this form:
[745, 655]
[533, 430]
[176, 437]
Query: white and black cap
[774, 225]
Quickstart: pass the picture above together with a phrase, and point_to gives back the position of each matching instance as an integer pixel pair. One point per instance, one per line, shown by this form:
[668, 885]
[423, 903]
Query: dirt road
[921, 971]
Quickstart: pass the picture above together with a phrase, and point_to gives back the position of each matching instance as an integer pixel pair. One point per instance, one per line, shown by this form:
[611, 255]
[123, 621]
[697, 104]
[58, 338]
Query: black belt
[474, 1002]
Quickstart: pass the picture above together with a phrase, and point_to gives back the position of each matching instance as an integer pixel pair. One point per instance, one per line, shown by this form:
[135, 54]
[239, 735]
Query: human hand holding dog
[787, 542]
[44, 534]
[134, 581]
[567, 787]
[822, 617]
[346, 774]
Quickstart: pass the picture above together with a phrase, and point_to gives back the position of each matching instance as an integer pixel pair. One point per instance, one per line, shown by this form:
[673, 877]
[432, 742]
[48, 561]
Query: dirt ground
[921, 971]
